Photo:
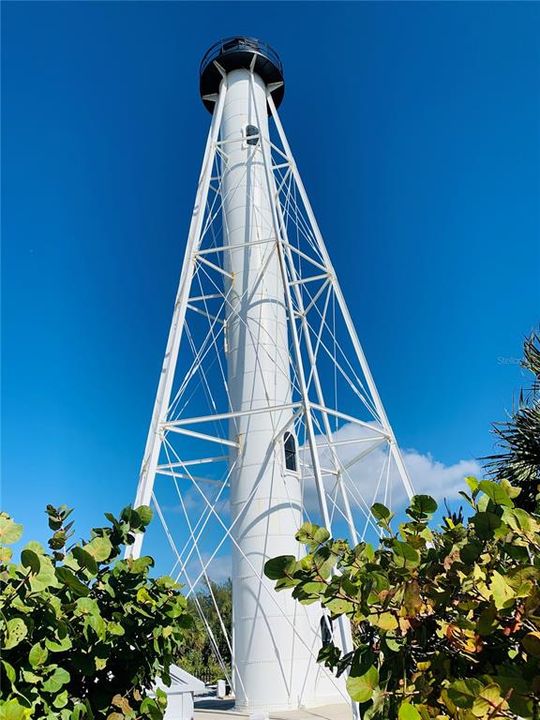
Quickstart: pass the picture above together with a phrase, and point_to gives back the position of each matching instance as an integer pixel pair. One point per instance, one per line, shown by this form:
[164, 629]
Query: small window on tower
[252, 134]
[290, 451]
[327, 634]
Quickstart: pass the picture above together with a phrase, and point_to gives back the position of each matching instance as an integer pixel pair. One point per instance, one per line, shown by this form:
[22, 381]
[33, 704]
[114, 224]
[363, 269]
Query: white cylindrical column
[274, 668]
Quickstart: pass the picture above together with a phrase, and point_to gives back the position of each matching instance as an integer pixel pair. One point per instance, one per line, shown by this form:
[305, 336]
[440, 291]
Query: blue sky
[417, 130]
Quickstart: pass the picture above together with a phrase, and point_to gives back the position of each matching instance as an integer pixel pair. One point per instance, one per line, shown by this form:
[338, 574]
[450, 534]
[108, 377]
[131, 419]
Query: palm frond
[519, 436]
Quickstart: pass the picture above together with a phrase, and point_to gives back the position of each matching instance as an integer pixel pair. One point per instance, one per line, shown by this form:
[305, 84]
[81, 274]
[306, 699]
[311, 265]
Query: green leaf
[79, 712]
[59, 645]
[129, 516]
[312, 535]
[392, 643]
[12, 710]
[16, 631]
[517, 690]
[115, 628]
[484, 626]
[97, 623]
[485, 524]
[86, 606]
[405, 551]
[10, 531]
[85, 559]
[150, 708]
[361, 688]
[408, 712]
[279, 567]
[66, 576]
[10, 671]
[59, 678]
[314, 588]
[141, 565]
[58, 540]
[321, 535]
[5, 555]
[143, 596]
[381, 512]
[30, 559]
[36, 546]
[37, 655]
[100, 548]
[510, 489]
[337, 606]
[324, 560]
[523, 518]
[470, 552]
[30, 677]
[46, 577]
[61, 700]
[145, 514]
[531, 643]
[489, 698]
[496, 492]
[285, 583]
[463, 693]
[472, 482]
[384, 621]
[503, 595]
[423, 504]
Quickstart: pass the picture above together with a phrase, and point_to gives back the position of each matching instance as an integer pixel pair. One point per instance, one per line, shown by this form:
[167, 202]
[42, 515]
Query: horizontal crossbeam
[204, 436]
[303, 281]
[351, 419]
[212, 265]
[198, 461]
[229, 415]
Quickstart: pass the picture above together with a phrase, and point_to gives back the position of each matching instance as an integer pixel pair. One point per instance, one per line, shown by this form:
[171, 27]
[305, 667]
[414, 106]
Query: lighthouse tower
[266, 407]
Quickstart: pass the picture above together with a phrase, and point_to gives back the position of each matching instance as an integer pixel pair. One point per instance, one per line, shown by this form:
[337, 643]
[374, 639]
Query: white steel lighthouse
[266, 497]
[266, 410]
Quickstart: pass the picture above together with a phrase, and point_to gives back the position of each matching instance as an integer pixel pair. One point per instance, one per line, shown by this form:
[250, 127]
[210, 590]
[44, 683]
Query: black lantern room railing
[235, 53]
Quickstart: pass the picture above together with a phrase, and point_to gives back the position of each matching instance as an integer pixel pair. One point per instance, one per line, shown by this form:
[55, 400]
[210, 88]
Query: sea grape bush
[446, 621]
[85, 633]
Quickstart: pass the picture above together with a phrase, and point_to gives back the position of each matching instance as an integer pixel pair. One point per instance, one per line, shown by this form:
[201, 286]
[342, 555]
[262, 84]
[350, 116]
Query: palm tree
[519, 436]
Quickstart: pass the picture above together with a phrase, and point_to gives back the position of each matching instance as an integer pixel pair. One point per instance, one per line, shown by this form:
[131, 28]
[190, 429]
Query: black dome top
[238, 52]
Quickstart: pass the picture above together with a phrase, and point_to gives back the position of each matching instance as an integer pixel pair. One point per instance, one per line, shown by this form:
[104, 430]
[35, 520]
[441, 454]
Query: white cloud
[431, 477]
[373, 478]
